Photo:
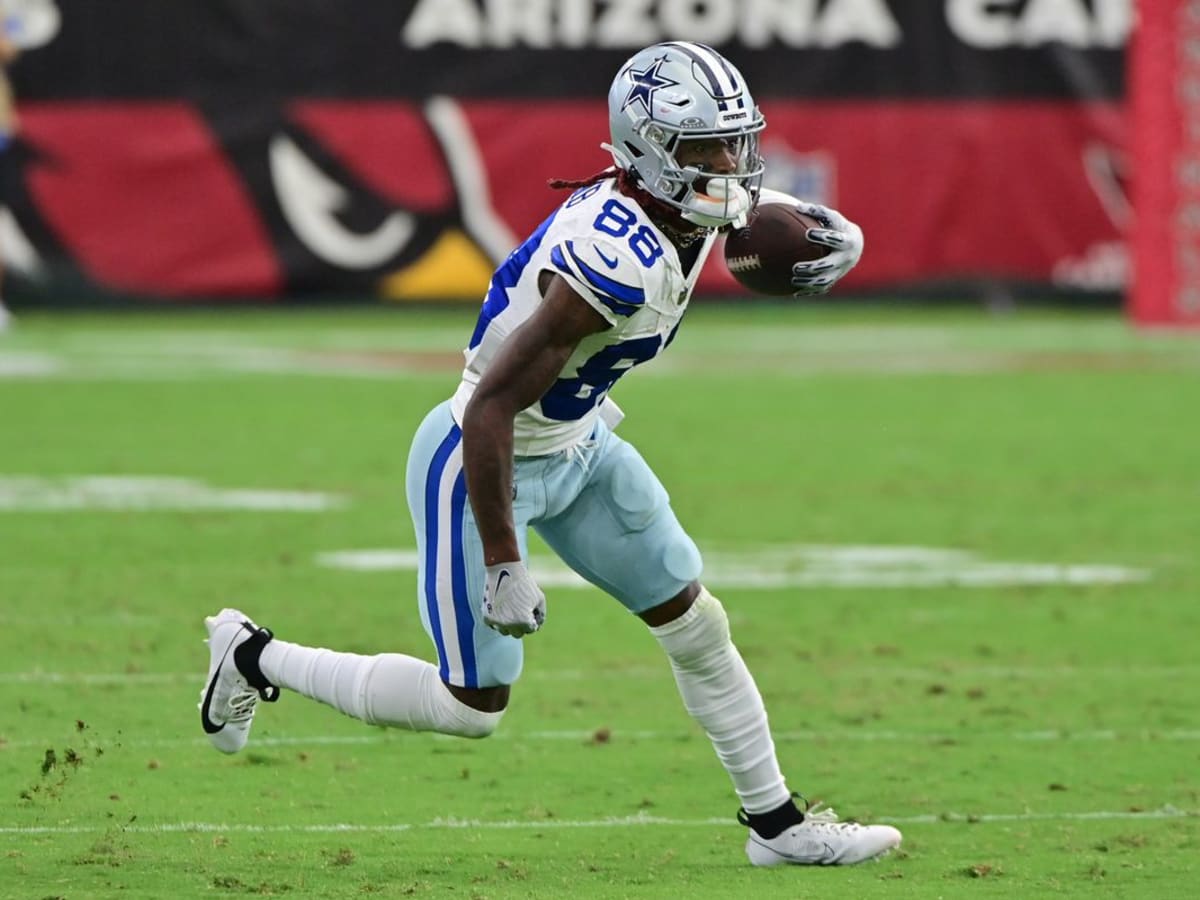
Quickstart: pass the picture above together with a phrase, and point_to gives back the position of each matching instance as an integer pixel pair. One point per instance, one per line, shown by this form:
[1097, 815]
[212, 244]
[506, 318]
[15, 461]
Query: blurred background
[284, 150]
[952, 508]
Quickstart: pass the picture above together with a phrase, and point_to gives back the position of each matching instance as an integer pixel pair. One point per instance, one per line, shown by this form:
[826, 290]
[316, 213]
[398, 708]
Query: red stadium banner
[1165, 112]
[218, 156]
[1023, 192]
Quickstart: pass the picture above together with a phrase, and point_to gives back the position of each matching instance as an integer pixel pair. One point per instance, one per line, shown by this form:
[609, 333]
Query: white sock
[387, 689]
[721, 695]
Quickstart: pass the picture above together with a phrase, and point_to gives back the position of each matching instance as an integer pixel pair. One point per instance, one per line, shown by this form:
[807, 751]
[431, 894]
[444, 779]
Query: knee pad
[681, 559]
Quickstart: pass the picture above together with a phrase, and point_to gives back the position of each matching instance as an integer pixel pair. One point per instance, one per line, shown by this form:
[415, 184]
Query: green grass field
[959, 552]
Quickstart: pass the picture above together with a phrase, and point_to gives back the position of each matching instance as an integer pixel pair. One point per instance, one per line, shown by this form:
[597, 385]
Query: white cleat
[822, 840]
[235, 682]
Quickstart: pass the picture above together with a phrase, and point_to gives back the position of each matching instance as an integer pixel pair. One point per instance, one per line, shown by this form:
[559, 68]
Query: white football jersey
[617, 260]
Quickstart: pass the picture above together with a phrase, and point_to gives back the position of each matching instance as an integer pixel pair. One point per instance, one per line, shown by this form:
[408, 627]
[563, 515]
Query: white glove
[845, 240]
[513, 604]
[725, 203]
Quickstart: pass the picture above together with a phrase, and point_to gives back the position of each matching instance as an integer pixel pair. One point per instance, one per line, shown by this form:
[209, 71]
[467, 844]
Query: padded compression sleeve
[388, 689]
[721, 695]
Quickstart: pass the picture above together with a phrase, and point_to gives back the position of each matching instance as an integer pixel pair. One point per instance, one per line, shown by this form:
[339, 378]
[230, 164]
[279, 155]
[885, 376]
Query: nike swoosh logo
[828, 857]
[500, 579]
[611, 263]
[211, 727]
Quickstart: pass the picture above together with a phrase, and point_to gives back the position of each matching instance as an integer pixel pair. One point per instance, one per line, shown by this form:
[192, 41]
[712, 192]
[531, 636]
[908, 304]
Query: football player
[527, 440]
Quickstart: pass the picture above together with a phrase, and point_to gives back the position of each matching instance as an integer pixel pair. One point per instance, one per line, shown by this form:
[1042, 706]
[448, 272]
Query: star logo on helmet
[645, 83]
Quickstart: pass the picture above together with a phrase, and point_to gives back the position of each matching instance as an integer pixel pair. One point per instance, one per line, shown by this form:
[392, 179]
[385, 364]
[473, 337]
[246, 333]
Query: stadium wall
[273, 149]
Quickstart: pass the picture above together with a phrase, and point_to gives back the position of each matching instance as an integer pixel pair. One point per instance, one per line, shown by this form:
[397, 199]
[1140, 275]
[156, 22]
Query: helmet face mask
[668, 95]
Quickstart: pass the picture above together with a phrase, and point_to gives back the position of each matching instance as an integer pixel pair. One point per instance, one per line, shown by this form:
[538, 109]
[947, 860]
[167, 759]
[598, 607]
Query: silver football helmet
[681, 91]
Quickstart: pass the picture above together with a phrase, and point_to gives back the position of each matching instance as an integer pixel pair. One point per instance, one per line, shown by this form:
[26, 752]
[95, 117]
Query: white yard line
[774, 567]
[618, 734]
[29, 493]
[125, 679]
[936, 673]
[635, 821]
[817, 348]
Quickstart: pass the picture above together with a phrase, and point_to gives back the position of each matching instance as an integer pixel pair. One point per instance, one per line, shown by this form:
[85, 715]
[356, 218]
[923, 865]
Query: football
[760, 256]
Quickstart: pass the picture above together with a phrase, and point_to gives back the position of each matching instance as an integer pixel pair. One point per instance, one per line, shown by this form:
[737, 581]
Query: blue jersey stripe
[557, 260]
[506, 277]
[433, 482]
[620, 306]
[463, 614]
[621, 309]
[618, 290]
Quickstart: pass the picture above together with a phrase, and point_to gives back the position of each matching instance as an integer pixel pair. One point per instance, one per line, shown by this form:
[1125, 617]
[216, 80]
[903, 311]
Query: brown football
[760, 256]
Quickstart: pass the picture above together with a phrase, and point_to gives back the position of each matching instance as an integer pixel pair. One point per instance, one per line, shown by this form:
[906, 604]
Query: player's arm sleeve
[605, 275]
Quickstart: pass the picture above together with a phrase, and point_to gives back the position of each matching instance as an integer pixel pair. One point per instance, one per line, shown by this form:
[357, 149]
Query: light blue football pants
[599, 507]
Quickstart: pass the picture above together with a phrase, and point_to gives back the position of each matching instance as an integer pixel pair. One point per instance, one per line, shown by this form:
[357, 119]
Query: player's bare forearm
[488, 465]
[488, 439]
[532, 358]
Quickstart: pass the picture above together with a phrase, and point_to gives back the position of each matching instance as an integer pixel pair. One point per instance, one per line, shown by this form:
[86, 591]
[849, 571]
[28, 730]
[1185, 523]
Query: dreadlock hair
[564, 184]
[664, 214]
